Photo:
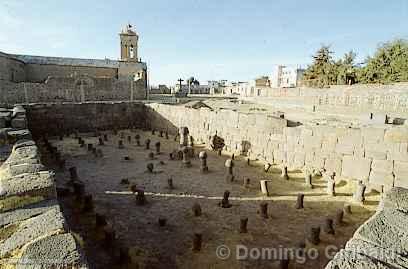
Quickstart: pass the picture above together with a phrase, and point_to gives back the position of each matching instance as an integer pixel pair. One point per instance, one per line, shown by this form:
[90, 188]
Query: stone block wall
[56, 118]
[376, 155]
[33, 231]
[11, 69]
[59, 89]
[358, 98]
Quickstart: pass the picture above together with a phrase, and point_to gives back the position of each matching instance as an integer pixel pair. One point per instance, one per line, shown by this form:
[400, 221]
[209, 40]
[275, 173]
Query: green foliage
[389, 64]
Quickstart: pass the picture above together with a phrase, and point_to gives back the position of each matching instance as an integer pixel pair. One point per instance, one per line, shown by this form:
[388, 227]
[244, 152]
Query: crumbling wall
[33, 231]
[60, 89]
[57, 118]
[11, 69]
[377, 155]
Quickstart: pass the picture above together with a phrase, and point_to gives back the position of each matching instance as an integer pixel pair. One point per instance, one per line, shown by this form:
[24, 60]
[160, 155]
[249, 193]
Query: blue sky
[224, 39]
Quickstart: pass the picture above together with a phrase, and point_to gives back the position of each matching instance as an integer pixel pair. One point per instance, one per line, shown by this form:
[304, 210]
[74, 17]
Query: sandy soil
[152, 246]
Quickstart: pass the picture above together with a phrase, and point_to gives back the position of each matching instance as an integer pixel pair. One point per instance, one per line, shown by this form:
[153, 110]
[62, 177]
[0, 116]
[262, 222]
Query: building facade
[126, 77]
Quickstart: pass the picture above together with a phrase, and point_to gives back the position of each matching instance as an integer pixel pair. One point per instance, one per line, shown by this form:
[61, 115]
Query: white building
[286, 77]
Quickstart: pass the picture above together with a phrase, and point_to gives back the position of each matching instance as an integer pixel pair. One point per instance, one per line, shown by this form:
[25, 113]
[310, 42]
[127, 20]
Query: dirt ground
[152, 246]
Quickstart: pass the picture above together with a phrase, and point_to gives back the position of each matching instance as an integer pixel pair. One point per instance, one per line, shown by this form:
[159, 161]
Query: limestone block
[318, 162]
[396, 199]
[279, 156]
[359, 152]
[386, 229]
[345, 149]
[299, 159]
[381, 179]
[375, 154]
[373, 135]
[397, 156]
[356, 168]
[333, 164]
[23, 155]
[401, 181]
[3, 122]
[19, 134]
[384, 166]
[400, 168]
[292, 131]
[50, 222]
[8, 171]
[396, 134]
[59, 248]
[19, 123]
[387, 256]
[26, 189]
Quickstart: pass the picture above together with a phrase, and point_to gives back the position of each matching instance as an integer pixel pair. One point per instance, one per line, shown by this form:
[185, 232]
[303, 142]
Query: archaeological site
[100, 170]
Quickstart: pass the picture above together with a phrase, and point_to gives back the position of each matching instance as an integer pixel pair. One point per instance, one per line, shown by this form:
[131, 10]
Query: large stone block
[50, 222]
[19, 123]
[386, 229]
[373, 135]
[345, 149]
[381, 179]
[373, 154]
[400, 168]
[26, 189]
[396, 199]
[54, 250]
[385, 166]
[333, 164]
[355, 168]
[396, 135]
[401, 181]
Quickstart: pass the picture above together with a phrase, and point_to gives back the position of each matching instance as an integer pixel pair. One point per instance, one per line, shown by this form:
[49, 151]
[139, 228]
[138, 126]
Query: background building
[286, 77]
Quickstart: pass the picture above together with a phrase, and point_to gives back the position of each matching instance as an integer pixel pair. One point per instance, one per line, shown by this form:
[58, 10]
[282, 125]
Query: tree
[389, 64]
[323, 69]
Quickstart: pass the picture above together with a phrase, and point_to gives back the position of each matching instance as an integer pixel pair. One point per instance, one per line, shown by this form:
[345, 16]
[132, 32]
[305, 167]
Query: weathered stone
[299, 201]
[196, 210]
[197, 240]
[358, 196]
[229, 176]
[313, 234]
[225, 200]
[203, 162]
[243, 225]
[264, 210]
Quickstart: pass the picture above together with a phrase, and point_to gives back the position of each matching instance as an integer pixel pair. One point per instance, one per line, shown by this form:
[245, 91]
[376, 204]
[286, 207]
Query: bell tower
[128, 44]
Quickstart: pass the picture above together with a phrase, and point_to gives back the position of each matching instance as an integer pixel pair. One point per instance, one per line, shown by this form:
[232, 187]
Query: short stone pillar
[196, 210]
[247, 183]
[197, 240]
[90, 147]
[129, 139]
[347, 209]
[167, 135]
[331, 186]
[105, 137]
[157, 145]
[229, 175]
[150, 155]
[299, 201]
[284, 174]
[265, 187]
[162, 222]
[153, 131]
[147, 144]
[101, 143]
[243, 225]
[140, 197]
[308, 180]
[170, 183]
[267, 166]
[183, 132]
[328, 226]
[186, 158]
[73, 173]
[160, 133]
[264, 210]
[150, 167]
[359, 194]
[203, 159]
[339, 217]
[225, 200]
[313, 234]
[120, 144]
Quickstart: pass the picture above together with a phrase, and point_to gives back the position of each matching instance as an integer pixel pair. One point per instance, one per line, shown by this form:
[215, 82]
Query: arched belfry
[128, 44]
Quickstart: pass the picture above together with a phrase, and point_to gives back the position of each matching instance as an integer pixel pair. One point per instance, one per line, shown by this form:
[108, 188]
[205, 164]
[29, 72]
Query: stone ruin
[328, 154]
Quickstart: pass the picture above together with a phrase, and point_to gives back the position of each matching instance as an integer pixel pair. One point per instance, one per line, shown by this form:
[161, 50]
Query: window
[131, 53]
